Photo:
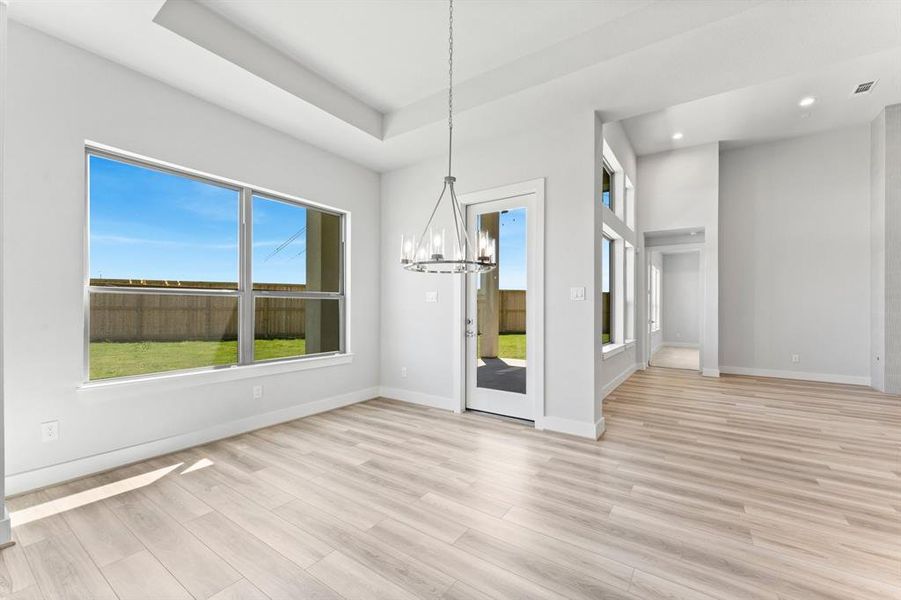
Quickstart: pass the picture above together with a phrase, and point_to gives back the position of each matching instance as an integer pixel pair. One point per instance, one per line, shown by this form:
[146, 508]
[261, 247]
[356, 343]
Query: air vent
[864, 88]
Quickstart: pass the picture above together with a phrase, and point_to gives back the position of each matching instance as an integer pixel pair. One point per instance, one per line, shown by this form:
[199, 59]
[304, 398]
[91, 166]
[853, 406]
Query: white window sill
[611, 350]
[220, 375]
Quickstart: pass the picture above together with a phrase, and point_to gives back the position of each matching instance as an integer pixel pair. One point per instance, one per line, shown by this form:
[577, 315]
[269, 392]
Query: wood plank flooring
[737, 488]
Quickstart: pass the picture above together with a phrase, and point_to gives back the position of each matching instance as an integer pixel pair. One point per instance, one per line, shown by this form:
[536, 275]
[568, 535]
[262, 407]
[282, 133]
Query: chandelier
[433, 251]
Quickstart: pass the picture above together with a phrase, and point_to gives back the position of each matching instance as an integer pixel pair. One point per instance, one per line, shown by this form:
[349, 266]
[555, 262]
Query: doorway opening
[675, 289]
[502, 329]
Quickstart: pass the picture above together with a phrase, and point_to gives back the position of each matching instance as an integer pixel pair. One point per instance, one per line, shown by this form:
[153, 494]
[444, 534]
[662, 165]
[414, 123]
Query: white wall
[680, 189]
[60, 96]
[5, 530]
[611, 370]
[420, 337]
[893, 249]
[877, 252]
[795, 256]
[681, 299]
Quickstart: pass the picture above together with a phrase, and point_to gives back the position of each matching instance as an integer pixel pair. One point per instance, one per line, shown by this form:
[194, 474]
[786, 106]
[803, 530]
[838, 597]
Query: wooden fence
[512, 317]
[166, 317]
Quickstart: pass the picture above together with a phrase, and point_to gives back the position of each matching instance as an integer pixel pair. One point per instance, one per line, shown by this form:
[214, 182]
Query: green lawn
[512, 345]
[120, 359]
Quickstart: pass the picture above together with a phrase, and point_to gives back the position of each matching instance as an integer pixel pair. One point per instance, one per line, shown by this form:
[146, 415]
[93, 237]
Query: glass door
[496, 323]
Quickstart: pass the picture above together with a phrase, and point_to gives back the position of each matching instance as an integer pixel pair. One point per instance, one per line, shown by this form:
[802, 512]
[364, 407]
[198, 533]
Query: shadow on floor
[496, 374]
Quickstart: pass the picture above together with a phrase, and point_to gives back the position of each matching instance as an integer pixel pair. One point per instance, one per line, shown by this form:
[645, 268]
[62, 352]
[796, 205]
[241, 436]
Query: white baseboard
[25, 481]
[800, 375]
[680, 344]
[710, 372]
[600, 426]
[583, 429]
[419, 398]
[618, 380]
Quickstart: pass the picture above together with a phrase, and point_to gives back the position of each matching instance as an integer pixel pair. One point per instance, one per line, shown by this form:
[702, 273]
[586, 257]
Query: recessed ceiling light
[807, 101]
[677, 135]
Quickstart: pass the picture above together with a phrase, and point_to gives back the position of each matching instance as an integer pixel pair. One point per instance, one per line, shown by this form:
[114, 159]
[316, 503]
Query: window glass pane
[149, 227]
[501, 305]
[134, 334]
[606, 188]
[286, 327]
[295, 248]
[606, 288]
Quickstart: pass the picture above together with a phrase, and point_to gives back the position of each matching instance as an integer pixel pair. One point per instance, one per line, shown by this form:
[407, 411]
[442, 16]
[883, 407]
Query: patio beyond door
[497, 323]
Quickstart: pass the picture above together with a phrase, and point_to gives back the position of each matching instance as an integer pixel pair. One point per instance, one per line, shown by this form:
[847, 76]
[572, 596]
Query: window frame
[245, 294]
[611, 174]
[655, 284]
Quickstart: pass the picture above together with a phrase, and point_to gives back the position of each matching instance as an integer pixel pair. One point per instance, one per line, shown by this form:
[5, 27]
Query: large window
[188, 272]
[607, 290]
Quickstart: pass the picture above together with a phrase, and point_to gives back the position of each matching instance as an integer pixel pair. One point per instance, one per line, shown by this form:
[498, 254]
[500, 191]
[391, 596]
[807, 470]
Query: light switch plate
[577, 294]
[431, 297]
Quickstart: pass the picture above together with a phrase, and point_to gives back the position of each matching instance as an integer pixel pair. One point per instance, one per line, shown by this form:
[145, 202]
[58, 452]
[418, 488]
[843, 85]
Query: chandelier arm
[459, 225]
[431, 217]
[467, 243]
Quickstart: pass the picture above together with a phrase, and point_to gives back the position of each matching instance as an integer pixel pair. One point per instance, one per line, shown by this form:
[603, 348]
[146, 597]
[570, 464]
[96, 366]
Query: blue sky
[147, 224]
[512, 250]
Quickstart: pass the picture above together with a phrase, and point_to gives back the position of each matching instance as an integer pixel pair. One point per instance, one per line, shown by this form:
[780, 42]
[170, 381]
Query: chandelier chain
[450, 86]
[428, 253]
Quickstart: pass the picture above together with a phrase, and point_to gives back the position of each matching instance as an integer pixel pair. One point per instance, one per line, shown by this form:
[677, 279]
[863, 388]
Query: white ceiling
[365, 79]
[770, 111]
[394, 52]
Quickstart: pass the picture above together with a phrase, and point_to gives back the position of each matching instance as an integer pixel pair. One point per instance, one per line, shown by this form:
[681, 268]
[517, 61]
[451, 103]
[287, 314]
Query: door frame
[533, 194]
[700, 248]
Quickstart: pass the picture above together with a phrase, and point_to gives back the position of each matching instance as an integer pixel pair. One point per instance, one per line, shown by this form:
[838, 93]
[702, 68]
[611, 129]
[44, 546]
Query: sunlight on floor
[73, 501]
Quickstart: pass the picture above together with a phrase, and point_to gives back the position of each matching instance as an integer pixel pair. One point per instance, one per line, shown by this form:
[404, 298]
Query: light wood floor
[706, 489]
[673, 357]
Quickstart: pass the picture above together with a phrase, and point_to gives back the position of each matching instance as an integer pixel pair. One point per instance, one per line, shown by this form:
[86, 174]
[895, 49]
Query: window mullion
[245, 260]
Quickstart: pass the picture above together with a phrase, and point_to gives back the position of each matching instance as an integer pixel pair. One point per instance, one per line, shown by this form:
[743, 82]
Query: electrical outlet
[577, 294]
[50, 431]
[431, 297]
[257, 392]
[403, 372]
[796, 358]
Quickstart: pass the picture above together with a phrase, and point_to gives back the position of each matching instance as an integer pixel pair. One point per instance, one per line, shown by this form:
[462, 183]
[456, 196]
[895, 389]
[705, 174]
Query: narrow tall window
[607, 195]
[655, 298]
[171, 266]
[607, 290]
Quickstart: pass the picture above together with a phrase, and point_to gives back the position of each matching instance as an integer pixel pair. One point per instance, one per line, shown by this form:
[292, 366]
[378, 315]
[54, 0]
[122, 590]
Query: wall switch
[50, 431]
[796, 358]
[431, 297]
[403, 371]
[257, 392]
[577, 294]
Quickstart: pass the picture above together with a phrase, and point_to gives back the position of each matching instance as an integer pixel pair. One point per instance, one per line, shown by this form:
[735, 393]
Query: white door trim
[700, 248]
[534, 191]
